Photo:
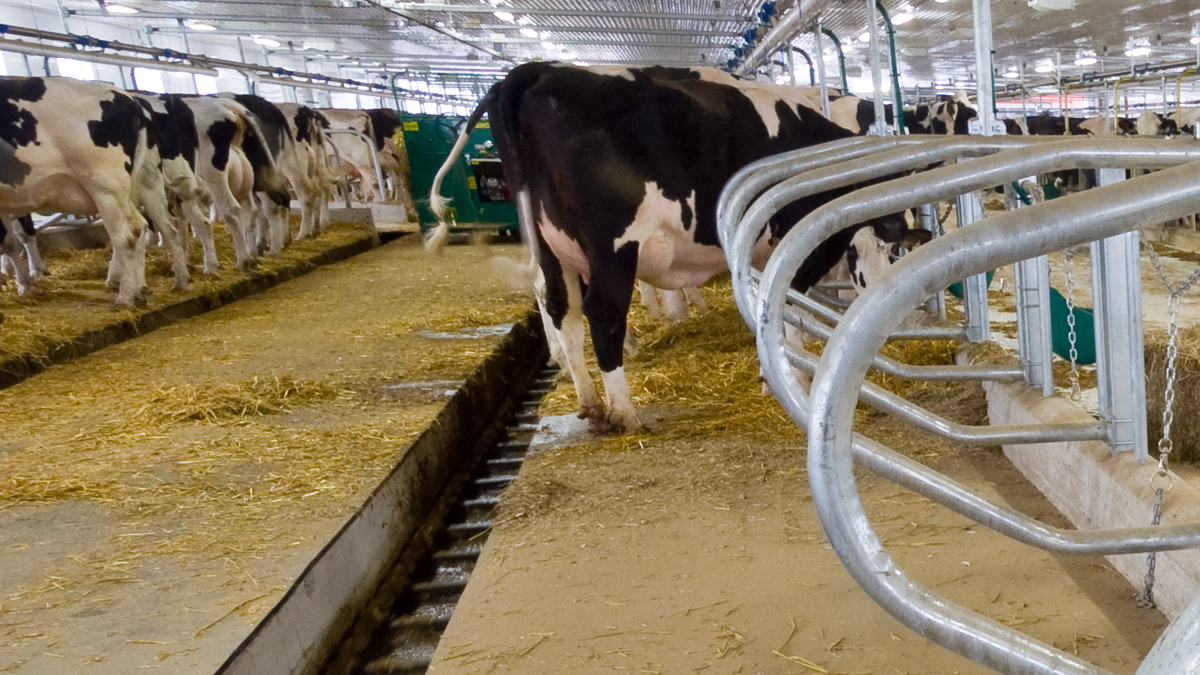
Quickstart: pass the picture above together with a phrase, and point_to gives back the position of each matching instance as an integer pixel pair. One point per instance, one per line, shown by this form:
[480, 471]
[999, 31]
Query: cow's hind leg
[607, 308]
[564, 305]
[27, 235]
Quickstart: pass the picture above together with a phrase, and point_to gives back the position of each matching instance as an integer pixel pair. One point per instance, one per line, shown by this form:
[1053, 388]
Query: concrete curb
[1096, 489]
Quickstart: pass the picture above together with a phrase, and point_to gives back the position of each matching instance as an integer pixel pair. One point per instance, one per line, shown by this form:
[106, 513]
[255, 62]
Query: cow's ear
[915, 238]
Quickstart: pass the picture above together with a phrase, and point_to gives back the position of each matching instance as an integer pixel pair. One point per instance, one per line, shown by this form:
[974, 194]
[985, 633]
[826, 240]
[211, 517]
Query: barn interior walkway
[696, 548]
[158, 497]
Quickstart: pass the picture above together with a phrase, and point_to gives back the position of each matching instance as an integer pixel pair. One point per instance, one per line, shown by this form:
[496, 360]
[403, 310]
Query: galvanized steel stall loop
[1107, 218]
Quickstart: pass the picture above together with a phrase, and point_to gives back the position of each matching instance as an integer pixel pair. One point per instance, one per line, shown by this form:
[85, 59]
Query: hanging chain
[943, 217]
[1076, 393]
[1145, 599]
[1161, 481]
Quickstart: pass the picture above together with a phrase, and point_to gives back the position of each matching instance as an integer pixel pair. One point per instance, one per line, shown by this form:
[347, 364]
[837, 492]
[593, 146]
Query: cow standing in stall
[356, 154]
[393, 159]
[623, 168]
[79, 147]
[311, 177]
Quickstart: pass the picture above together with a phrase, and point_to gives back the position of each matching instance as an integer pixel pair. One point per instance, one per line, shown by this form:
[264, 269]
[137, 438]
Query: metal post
[975, 298]
[790, 60]
[985, 104]
[821, 68]
[937, 302]
[1032, 281]
[881, 125]
[1117, 306]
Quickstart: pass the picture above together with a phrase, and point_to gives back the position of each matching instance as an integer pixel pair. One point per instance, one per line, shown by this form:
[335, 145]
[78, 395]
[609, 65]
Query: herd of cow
[160, 163]
[622, 168]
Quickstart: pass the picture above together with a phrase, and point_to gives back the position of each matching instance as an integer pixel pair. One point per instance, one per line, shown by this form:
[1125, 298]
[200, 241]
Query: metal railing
[1106, 217]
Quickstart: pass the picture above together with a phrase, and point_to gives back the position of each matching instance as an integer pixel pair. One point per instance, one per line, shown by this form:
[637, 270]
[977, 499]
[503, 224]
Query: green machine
[479, 194]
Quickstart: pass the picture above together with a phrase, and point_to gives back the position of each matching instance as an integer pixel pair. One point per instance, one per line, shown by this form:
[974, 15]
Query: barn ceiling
[487, 36]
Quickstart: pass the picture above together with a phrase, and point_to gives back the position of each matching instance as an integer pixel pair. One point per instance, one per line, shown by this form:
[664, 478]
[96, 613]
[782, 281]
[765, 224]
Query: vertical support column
[881, 125]
[817, 28]
[790, 59]
[936, 304]
[1032, 281]
[1120, 364]
[975, 299]
[1033, 322]
[982, 14]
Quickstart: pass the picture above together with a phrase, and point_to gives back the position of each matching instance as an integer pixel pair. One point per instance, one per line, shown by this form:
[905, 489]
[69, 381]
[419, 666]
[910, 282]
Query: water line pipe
[841, 58]
[891, 32]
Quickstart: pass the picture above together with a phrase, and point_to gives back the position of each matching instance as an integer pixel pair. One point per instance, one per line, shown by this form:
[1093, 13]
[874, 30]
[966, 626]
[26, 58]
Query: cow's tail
[436, 241]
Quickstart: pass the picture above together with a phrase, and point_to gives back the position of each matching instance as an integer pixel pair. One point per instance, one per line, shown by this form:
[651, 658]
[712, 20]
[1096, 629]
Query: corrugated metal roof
[488, 35]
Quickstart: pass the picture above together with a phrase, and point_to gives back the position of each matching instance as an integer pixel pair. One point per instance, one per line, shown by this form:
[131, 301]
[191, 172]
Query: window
[80, 70]
[149, 79]
[206, 85]
[411, 106]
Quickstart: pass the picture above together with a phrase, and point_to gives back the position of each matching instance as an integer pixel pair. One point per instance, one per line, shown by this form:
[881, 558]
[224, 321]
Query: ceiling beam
[487, 9]
[244, 18]
[611, 30]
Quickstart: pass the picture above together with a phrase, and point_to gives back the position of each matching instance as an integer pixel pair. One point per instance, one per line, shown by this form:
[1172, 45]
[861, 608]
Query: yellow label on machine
[483, 125]
[410, 125]
[471, 182]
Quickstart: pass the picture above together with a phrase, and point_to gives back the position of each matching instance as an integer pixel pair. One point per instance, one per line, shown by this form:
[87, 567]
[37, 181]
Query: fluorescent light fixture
[1044, 68]
[865, 37]
[582, 64]
[529, 32]
[1012, 75]
[1195, 41]
[525, 21]
[1085, 61]
[265, 41]
[504, 16]
[1138, 51]
[550, 46]
[567, 56]
[902, 18]
[942, 2]
[196, 25]
[118, 9]
[782, 79]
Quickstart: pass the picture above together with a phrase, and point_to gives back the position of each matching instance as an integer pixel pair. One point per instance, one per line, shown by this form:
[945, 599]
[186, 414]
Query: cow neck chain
[1076, 392]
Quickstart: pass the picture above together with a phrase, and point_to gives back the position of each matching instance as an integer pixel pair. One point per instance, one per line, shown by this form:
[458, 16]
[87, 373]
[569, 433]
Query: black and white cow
[307, 169]
[940, 118]
[78, 147]
[228, 137]
[274, 202]
[623, 168]
[393, 159]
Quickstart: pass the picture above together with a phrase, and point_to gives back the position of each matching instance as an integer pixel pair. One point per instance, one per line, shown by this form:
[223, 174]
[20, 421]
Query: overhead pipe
[891, 32]
[781, 32]
[33, 49]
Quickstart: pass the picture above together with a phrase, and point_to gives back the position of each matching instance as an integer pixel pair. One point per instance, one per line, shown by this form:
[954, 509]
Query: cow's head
[874, 248]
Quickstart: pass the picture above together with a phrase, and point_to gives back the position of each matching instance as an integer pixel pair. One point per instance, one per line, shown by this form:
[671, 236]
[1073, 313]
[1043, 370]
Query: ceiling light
[504, 16]
[1138, 51]
[525, 21]
[549, 46]
[118, 9]
[1012, 75]
[196, 25]
[1044, 68]
[265, 41]
[865, 37]
[782, 79]
[941, 1]
[1195, 41]
[902, 18]
[529, 32]
[582, 64]
[567, 56]
[1085, 61]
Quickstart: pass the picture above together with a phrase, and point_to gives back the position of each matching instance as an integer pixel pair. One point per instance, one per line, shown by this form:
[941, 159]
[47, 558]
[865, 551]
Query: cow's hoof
[604, 426]
[210, 276]
[181, 286]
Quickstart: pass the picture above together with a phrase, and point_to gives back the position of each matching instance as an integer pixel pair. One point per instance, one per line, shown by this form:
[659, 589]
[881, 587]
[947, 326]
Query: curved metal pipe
[1006, 238]
[812, 73]
[739, 249]
[841, 58]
